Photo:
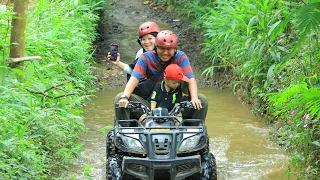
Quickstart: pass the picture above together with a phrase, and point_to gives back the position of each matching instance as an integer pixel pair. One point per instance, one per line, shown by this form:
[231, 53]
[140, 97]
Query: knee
[204, 100]
[117, 98]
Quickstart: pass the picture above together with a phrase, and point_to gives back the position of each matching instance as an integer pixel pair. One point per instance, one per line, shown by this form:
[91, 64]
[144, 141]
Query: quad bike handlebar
[180, 107]
[136, 105]
[159, 114]
[175, 110]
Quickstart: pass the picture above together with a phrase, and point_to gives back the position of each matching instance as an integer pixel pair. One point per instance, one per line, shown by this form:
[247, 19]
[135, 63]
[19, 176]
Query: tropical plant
[41, 105]
[271, 49]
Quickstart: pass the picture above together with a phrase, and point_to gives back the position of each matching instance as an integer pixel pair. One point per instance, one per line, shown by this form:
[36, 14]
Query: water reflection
[238, 139]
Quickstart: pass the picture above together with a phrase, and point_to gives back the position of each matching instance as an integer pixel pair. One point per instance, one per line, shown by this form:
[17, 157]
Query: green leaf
[252, 48]
[18, 72]
[39, 86]
[29, 72]
[273, 27]
[251, 22]
[296, 47]
[309, 18]
[261, 51]
[270, 72]
[279, 28]
[281, 48]
[316, 143]
[2, 74]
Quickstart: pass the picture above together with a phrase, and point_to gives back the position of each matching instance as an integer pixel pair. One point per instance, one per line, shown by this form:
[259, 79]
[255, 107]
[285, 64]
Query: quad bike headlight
[188, 144]
[132, 144]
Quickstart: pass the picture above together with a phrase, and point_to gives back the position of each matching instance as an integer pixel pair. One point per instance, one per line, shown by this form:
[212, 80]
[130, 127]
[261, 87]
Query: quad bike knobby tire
[209, 168]
[208, 164]
[114, 171]
[111, 149]
[113, 161]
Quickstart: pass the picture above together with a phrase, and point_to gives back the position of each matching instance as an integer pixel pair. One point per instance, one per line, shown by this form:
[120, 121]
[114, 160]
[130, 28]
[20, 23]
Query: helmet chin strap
[139, 42]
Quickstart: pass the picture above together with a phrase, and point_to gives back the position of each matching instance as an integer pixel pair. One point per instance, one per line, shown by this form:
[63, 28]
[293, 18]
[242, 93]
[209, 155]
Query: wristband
[124, 97]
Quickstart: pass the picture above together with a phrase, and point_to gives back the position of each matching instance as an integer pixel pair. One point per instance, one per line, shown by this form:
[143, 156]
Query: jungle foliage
[41, 104]
[271, 49]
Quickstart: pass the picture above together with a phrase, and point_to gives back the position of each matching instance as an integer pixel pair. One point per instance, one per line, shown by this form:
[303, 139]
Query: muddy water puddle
[238, 139]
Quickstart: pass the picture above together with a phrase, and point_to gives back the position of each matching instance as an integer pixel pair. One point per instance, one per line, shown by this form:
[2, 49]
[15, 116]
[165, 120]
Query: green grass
[41, 104]
[271, 50]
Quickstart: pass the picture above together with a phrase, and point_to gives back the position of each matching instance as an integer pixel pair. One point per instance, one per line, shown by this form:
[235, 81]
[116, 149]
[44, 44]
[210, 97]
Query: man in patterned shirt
[149, 64]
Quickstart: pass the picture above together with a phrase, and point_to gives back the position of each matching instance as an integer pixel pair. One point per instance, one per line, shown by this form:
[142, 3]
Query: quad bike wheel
[114, 171]
[111, 149]
[209, 168]
[208, 164]
[114, 161]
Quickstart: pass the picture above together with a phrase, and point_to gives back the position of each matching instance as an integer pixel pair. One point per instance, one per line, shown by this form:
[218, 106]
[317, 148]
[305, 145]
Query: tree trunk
[19, 22]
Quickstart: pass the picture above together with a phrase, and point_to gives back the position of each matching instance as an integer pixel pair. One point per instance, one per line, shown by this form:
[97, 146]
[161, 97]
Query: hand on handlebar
[123, 103]
[196, 103]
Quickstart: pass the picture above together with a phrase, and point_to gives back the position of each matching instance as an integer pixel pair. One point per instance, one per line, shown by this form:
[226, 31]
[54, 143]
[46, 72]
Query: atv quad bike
[160, 149]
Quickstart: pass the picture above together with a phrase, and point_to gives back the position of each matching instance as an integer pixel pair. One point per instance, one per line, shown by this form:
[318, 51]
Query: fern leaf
[309, 18]
[314, 109]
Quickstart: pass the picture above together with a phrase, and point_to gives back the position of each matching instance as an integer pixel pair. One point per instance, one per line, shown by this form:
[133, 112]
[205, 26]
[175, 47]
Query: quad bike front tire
[114, 171]
[111, 149]
[114, 161]
[209, 167]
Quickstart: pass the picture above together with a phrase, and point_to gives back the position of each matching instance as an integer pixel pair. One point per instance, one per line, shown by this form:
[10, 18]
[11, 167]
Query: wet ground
[119, 24]
[237, 138]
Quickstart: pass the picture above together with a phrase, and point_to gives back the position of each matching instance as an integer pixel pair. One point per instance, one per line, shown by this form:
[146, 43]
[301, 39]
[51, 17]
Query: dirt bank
[125, 13]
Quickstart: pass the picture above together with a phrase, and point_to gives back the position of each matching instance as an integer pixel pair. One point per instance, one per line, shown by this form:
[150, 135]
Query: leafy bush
[271, 49]
[41, 104]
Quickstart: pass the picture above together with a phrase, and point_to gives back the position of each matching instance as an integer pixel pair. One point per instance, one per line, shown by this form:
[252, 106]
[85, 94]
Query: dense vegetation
[41, 104]
[271, 49]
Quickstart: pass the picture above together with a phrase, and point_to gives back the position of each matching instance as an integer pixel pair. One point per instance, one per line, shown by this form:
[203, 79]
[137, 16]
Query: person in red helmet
[147, 32]
[168, 92]
[150, 66]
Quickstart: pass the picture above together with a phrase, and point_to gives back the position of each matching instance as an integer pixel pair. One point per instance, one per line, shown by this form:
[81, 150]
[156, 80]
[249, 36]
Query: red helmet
[147, 28]
[167, 39]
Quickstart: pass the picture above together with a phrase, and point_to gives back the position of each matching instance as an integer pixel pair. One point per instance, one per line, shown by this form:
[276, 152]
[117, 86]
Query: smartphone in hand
[114, 51]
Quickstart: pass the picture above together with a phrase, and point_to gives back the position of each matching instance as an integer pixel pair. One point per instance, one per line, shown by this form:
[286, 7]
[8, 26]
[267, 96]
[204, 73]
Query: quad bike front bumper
[174, 169]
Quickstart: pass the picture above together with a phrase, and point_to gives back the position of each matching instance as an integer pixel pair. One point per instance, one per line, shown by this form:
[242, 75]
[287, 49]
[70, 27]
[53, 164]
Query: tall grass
[271, 49]
[41, 104]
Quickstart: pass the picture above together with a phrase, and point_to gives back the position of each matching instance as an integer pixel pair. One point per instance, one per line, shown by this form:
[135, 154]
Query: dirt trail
[121, 21]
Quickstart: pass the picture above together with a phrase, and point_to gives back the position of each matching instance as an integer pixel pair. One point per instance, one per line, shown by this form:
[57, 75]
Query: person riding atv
[149, 71]
[160, 149]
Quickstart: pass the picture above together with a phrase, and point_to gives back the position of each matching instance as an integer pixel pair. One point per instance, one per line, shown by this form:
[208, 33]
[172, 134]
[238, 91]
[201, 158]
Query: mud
[128, 13]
